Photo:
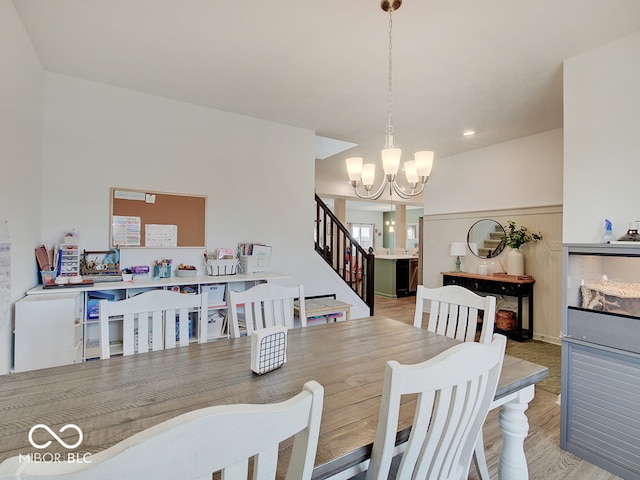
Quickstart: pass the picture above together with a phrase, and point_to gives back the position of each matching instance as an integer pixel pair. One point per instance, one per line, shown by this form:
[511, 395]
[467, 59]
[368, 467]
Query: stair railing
[343, 253]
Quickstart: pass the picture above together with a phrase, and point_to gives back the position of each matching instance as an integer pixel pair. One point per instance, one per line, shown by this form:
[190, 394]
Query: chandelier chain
[417, 171]
[389, 128]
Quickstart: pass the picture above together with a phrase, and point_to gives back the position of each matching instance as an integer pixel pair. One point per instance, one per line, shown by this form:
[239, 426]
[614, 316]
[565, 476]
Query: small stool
[323, 307]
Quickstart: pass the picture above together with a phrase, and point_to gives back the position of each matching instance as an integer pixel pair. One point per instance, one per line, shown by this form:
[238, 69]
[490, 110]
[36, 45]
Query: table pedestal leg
[515, 427]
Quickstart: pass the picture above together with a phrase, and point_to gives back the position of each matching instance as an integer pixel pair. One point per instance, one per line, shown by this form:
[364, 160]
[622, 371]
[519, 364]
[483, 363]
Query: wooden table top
[113, 399]
[493, 278]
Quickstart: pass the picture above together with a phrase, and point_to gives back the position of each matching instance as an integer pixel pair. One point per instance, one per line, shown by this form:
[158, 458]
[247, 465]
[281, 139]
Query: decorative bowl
[186, 273]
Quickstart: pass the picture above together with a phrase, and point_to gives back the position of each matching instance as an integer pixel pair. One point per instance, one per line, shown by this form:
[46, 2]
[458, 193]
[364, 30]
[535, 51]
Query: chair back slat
[128, 334]
[157, 325]
[250, 313]
[170, 328]
[272, 314]
[183, 336]
[142, 330]
[433, 317]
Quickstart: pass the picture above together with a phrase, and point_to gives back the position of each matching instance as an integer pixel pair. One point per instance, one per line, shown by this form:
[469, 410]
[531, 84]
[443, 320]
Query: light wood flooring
[545, 459]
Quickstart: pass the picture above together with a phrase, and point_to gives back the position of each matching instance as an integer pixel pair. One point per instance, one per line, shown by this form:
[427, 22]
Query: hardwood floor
[545, 459]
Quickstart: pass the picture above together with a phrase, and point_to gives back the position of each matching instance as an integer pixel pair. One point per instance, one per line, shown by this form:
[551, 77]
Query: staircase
[492, 245]
[347, 258]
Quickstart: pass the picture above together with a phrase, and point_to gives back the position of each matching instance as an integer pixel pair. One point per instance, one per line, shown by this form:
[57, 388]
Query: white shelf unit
[215, 286]
[48, 331]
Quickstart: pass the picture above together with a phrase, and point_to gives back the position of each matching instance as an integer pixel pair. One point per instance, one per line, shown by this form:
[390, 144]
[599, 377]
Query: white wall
[602, 144]
[249, 169]
[526, 172]
[21, 93]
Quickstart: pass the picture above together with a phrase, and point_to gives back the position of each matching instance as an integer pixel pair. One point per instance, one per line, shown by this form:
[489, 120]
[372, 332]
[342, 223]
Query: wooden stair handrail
[343, 253]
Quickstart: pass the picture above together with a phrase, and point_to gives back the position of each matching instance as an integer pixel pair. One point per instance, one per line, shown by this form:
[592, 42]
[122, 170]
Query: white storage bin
[254, 263]
[216, 326]
[215, 293]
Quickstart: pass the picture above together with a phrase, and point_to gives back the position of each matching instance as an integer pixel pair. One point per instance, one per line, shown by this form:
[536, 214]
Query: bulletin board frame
[145, 218]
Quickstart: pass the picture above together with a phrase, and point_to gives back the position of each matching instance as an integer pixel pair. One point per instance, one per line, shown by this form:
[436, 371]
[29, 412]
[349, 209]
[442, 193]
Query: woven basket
[506, 320]
[221, 267]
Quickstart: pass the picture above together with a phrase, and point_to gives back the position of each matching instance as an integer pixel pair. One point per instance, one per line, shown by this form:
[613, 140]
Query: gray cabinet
[600, 419]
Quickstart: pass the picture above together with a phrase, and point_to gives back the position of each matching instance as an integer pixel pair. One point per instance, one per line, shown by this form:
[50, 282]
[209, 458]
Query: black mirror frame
[492, 253]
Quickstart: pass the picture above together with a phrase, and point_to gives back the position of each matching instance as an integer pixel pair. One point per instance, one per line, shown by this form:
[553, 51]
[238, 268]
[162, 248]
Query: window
[412, 232]
[363, 234]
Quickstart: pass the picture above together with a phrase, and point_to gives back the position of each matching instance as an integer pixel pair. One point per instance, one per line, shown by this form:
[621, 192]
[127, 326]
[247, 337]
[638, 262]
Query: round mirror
[484, 238]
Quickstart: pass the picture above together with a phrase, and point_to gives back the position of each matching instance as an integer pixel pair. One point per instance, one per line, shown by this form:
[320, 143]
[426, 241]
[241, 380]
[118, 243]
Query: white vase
[515, 262]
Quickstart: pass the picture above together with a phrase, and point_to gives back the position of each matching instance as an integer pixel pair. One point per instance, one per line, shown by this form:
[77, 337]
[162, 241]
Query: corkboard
[141, 218]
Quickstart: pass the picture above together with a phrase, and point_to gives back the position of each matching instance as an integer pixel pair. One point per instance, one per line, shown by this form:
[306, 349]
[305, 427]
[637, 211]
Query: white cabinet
[88, 331]
[48, 331]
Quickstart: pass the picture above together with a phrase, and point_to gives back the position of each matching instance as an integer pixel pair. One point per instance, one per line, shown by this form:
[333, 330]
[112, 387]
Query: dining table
[109, 400]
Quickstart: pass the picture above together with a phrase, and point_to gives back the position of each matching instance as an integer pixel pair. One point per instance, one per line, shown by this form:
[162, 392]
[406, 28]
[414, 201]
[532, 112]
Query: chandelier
[417, 171]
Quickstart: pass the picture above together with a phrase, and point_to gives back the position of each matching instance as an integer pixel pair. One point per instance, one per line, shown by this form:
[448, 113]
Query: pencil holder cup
[48, 276]
[162, 271]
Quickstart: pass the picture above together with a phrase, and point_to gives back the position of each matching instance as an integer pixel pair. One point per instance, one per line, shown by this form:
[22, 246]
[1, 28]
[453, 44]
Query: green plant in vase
[515, 237]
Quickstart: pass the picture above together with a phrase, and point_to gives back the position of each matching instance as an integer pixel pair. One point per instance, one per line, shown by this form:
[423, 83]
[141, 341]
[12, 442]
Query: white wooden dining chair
[149, 321]
[454, 312]
[194, 445]
[455, 390]
[265, 305]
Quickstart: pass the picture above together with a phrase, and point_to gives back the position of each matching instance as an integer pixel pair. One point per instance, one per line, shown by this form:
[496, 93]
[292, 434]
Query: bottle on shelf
[607, 232]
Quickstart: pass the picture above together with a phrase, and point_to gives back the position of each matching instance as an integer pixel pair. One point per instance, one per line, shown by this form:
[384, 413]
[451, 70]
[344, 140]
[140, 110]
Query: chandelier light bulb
[411, 173]
[391, 160]
[354, 168]
[368, 175]
[424, 163]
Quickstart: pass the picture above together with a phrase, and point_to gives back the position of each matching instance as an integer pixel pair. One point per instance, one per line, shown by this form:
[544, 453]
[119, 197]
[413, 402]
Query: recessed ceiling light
[468, 133]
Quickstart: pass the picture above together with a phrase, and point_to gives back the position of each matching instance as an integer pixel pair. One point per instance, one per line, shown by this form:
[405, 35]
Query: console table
[507, 285]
